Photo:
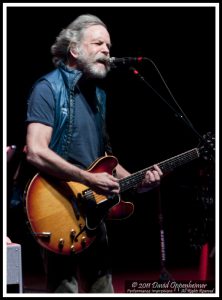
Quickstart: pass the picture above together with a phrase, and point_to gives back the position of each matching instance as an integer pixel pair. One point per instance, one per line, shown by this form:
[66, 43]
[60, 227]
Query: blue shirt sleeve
[41, 104]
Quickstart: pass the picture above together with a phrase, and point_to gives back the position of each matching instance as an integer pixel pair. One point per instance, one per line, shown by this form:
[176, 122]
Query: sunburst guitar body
[63, 216]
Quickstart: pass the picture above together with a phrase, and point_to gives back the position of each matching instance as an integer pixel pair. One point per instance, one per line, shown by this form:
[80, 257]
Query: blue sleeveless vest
[63, 83]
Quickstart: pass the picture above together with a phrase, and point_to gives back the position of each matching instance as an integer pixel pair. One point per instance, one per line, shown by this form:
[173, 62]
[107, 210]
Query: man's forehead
[96, 31]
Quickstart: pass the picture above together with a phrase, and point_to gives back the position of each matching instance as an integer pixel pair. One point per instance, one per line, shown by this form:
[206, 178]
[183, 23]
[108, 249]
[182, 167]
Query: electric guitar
[63, 216]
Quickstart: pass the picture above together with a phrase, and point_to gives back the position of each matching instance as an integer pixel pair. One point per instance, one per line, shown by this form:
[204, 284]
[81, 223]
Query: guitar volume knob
[72, 234]
[61, 243]
[72, 248]
[83, 241]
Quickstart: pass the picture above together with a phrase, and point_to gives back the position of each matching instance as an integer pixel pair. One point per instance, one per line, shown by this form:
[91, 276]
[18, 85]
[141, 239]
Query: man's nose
[105, 49]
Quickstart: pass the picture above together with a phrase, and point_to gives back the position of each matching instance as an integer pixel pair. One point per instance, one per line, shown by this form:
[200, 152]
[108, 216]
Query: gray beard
[89, 69]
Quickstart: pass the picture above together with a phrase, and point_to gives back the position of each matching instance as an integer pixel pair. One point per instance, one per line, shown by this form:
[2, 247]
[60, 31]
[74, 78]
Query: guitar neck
[166, 166]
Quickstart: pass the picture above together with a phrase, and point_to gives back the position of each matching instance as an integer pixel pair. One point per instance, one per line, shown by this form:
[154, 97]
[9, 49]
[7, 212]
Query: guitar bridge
[43, 234]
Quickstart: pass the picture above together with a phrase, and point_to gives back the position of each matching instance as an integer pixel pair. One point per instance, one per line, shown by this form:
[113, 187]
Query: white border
[5, 5]
[111, 4]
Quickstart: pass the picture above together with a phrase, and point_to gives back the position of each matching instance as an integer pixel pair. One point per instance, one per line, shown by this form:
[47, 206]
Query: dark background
[142, 128]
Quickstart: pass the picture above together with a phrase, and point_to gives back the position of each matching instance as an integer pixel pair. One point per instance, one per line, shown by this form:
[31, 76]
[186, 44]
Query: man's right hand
[102, 183]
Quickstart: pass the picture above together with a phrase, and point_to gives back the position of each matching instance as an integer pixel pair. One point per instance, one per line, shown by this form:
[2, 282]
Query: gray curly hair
[72, 35]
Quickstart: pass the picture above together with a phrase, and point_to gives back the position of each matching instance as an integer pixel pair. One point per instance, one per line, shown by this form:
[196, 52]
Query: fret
[166, 166]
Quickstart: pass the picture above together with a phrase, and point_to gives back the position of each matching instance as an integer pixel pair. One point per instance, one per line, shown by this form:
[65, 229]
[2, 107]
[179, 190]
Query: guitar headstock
[207, 148]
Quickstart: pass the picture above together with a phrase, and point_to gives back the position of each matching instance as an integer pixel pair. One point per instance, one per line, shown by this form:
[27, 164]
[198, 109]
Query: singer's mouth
[103, 61]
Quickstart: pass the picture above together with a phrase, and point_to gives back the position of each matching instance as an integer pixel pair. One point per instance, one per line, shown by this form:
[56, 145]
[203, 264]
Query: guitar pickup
[90, 201]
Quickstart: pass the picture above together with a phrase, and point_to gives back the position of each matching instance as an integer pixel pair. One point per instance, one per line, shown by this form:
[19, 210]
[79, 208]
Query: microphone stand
[164, 274]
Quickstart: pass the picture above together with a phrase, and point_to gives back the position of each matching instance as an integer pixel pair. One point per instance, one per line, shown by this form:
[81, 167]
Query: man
[66, 133]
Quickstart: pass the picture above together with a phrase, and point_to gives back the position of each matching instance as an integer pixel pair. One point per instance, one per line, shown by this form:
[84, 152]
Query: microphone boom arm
[178, 114]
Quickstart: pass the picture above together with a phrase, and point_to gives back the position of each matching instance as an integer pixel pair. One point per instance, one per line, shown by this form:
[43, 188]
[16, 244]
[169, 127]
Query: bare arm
[121, 172]
[41, 156]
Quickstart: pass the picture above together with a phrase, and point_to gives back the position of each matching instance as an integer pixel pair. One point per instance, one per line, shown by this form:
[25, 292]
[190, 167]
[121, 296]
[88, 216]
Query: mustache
[103, 59]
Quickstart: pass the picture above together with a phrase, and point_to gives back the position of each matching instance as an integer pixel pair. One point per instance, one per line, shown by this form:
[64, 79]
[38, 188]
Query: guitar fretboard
[167, 165]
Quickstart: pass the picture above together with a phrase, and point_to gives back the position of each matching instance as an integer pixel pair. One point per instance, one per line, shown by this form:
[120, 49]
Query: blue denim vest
[63, 82]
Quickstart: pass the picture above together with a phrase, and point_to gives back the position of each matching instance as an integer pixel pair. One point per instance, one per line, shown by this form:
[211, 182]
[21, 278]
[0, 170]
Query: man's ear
[73, 51]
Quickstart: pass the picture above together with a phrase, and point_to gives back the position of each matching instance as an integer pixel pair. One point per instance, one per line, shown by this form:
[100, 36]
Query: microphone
[114, 61]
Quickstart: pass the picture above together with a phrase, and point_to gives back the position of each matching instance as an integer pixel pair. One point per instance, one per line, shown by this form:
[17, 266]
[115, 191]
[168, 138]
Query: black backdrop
[142, 128]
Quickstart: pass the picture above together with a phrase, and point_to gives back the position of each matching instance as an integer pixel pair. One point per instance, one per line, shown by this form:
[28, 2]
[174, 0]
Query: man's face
[94, 51]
